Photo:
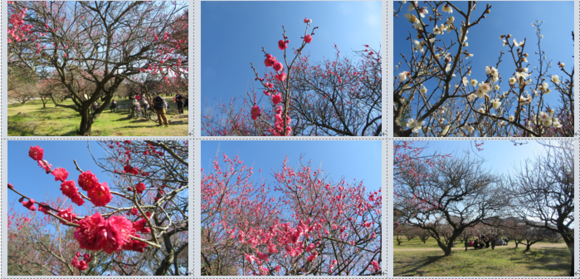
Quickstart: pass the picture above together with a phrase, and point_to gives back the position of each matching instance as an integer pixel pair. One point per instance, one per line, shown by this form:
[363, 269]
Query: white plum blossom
[502, 123]
[523, 99]
[544, 87]
[419, 46]
[424, 89]
[471, 97]
[437, 31]
[403, 76]
[448, 28]
[450, 20]
[512, 80]
[523, 74]
[511, 118]
[470, 129]
[516, 44]
[495, 103]
[481, 110]
[448, 67]
[445, 129]
[473, 82]
[556, 123]
[555, 79]
[447, 9]
[465, 81]
[496, 87]
[412, 18]
[482, 89]
[415, 125]
[493, 72]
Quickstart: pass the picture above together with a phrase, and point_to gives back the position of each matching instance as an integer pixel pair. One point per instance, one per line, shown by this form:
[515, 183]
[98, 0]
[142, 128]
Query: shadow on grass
[549, 259]
[412, 269]
[20, 129]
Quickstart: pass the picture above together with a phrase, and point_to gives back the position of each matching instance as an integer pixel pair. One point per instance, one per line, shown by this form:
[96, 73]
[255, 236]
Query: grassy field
[413, 258]
[31, 119]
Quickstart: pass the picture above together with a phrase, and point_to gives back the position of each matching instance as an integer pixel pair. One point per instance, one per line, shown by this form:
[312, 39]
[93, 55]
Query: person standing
[114, 105]
[179, 101]
[160, 107]
[493, 240]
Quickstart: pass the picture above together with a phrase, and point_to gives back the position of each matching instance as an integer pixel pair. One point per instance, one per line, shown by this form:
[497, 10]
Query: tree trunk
[571, 248]
[447, 251]
[86, 122]
[446, 248]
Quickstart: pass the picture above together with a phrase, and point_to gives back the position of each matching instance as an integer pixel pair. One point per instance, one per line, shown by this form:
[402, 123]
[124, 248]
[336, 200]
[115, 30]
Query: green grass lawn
[541, 261]
[31, 119]
[431, 243]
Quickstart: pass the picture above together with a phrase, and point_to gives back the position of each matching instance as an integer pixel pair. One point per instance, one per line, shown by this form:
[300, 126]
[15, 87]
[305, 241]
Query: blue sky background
[233, 34]
[501, 156]
[29, 179]
[506, 17]
[360, 160]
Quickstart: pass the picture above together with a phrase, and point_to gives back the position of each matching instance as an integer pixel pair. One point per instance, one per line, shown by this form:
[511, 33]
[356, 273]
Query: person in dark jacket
[492, 240]
[179, 101]
[114, 105]
[160, 107]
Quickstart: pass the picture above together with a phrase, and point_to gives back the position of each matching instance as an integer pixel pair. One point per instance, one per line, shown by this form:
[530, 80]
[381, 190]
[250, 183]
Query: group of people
[159, 104]
[485, 242]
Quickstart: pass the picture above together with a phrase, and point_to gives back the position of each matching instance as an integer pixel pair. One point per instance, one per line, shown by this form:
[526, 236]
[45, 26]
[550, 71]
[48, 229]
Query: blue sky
[360, 160]
[501, 156]
[233, 34]
[29, 179]
[506, 17]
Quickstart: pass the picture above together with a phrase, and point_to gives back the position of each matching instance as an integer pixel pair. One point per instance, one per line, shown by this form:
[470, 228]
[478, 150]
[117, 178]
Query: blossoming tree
[93, 47]
[435, 94]
[335, 97]
[445, 195]
[302, 224]
[136, 226]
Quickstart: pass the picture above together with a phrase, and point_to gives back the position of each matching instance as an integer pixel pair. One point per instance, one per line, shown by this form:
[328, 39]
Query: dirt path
[537, 245]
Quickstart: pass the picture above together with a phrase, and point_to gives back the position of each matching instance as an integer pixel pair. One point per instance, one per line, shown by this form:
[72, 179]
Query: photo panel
[108, 68]
[477, 69]
[96, 208]
[289, 208]
[492, 208]
[292, 68]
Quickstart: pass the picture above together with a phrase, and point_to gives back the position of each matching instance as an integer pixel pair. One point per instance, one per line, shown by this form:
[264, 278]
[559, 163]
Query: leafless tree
[457, 193]
[543, 192]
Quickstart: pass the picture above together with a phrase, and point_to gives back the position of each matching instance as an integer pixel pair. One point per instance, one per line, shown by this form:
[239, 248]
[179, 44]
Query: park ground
[31, 119]
[413, 258]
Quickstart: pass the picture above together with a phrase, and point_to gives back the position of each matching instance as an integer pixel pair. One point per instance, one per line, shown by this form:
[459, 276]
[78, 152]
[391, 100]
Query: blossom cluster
[280, 76]
[82, 264]
[96, 233]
